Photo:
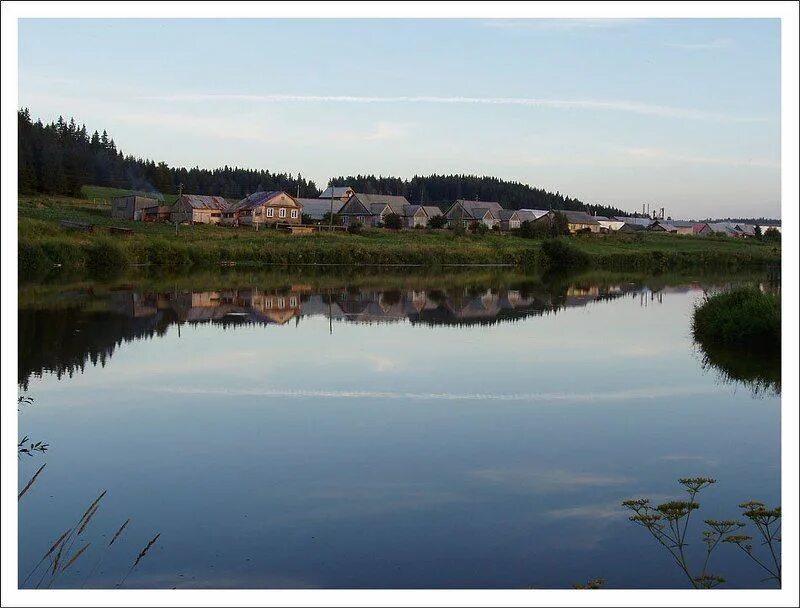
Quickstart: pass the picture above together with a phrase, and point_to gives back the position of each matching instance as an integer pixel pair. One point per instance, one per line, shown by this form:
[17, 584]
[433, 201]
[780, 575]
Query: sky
[675, 113]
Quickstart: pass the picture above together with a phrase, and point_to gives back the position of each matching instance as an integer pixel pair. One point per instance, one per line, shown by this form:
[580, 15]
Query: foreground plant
[668, 523]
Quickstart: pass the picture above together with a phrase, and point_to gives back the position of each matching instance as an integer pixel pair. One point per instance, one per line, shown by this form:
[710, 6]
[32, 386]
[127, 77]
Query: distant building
[264, 208]
[372, 209]
[509, 220]
[608, 224]
[579, 221]
[199, 209]
[341, 193]
[159, 213]
[701, 229]
[471, 212]
[417, 216]
[130, 207]
[317, 208]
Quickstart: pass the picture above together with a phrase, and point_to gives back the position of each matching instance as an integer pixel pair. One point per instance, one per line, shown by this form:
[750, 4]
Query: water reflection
[68, 329]
[452, 432]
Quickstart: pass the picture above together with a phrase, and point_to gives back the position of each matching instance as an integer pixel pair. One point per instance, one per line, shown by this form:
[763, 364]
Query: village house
[317, 209]
[339, 193]
[158, 213]
[580, 220]
[264, 208]
[529, 215]
[701, 229]
[199, 209]
[473, 212]
[372, 209]
[130, 207]
[662, 226]
[608, 224]
[417, 216]
[509, 220]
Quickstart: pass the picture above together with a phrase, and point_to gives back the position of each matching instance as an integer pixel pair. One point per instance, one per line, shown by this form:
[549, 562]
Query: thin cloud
[623, 395]
[717, 43]
[559, 25]
[667, 156]
[567, 104]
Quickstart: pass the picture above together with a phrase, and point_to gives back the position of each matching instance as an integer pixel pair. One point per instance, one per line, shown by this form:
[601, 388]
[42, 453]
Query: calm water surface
[474, 431]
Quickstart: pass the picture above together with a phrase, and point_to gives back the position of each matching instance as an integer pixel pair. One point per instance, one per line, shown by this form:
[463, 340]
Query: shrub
[559, 224]
[481, 228]
[560, 254]
[459, 229]
[105, 256]
[437, 221]
[356, 227]
[743, 318]
[392, 221]
[772, 234]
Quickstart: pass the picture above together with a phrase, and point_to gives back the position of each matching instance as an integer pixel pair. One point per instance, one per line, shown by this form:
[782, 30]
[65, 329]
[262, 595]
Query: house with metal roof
[316, 209]
[608, 224]
[264, 208]
[471, 212]
[372, 209]
[199, 209]
[340, 193]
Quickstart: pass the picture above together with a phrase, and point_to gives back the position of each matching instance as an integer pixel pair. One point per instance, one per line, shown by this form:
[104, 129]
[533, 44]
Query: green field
[43, 243]
[103, 194]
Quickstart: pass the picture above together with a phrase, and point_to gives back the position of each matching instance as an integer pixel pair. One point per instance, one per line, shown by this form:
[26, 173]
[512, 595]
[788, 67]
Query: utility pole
[331, 213]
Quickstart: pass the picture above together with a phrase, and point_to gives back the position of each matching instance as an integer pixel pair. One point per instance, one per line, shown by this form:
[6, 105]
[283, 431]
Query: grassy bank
[743, 318]
[42, 244]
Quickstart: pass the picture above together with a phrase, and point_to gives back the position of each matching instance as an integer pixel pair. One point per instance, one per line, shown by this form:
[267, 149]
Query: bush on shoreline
[741, 318]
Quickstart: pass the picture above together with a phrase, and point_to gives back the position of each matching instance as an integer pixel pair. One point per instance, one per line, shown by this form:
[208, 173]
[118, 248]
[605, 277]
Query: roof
[431, 210]
[723, 227]
[601, 218]
[507, 214]
[528, 215]
[680, 223]
[537, 213]
[337, 191]
[317, 208]
[397, 204]
[577, 217]
[199, 201]
[665, 225]
[639, 221]
[473, 207]
[254, 200]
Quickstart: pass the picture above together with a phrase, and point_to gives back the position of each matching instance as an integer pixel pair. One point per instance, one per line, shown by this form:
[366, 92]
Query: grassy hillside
[43, 243]
[104, 194]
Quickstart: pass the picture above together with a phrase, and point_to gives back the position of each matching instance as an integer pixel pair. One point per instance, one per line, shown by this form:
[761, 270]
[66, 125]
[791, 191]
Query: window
[294, 214]
[293, 302]
[282, 212]
[270, 211]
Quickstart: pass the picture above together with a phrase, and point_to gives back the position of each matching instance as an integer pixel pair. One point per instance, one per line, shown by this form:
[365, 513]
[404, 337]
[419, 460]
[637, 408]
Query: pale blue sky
[683, 114]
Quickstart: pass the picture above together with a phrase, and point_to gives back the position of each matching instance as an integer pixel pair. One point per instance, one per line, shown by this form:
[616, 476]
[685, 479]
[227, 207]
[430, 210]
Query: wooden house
[264, 209]
[417, 216]
[473, 212]
[372, 209]
[509, 219]
[199, 209]
[130, 207]
[579, 221]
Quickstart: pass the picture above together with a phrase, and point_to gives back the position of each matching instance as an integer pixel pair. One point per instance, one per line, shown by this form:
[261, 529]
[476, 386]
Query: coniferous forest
[62, 156]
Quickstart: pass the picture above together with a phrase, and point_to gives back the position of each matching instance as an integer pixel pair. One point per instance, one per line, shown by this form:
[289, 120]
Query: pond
[290, 430]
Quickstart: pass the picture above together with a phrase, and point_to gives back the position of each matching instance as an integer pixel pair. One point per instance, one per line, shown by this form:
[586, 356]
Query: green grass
[45, 243]
[744, 318]
[105, 194]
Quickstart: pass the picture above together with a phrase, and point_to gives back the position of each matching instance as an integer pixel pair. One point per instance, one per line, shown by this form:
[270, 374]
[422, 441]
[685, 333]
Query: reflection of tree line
[63, 341]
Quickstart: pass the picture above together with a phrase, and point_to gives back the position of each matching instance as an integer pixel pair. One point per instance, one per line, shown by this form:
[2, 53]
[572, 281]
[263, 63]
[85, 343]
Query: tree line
[442, 190]
[62, 156]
